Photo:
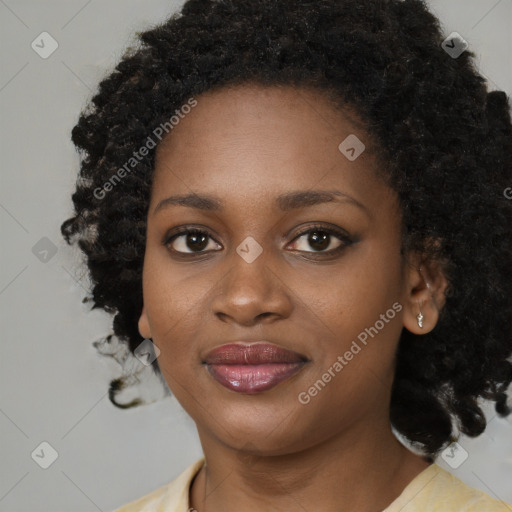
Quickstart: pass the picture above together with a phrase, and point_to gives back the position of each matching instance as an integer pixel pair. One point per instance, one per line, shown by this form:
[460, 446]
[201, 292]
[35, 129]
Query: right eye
[195, 240]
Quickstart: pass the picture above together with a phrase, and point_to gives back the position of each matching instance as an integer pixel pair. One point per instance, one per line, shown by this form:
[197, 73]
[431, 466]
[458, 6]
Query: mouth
[252, 368]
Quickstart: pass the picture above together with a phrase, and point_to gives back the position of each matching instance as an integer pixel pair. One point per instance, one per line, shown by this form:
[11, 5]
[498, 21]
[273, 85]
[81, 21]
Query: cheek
[360, 313]
[172, 307]
[356, 292]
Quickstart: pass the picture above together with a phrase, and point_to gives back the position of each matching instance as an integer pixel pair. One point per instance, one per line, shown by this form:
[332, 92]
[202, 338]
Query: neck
[356, 470]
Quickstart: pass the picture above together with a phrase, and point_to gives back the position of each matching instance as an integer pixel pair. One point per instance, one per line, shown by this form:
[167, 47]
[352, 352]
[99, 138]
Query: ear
[144, 329]
[426, 283]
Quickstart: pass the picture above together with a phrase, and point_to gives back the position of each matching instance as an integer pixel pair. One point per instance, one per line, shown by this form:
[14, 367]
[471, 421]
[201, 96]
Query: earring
[420, 317]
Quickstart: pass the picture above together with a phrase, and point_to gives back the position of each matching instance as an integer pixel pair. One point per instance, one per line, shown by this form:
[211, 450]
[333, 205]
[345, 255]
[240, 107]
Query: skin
[246, 145]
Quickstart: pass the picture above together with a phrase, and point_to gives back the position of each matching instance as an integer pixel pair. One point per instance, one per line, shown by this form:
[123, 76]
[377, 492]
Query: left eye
[321, 239]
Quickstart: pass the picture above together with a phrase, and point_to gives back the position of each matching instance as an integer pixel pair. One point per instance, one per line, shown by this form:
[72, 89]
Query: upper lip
[252, 353]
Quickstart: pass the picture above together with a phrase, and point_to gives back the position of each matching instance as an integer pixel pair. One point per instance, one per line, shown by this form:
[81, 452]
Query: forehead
[250, 141]
[252, 109]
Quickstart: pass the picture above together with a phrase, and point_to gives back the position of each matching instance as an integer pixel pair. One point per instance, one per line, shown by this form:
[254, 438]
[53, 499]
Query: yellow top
[432, 490]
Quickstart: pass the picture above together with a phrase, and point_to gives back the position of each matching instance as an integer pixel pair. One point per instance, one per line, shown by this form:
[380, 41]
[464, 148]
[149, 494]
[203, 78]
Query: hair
[445, 142]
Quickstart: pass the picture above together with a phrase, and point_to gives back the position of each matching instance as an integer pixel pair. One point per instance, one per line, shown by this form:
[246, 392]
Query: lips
[252, 368]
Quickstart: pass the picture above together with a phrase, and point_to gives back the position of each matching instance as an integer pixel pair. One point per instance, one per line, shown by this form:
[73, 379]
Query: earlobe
[426, 285]
[144, 329]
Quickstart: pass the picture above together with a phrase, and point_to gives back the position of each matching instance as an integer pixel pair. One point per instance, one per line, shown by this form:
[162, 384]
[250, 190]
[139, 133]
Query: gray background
[53, 382]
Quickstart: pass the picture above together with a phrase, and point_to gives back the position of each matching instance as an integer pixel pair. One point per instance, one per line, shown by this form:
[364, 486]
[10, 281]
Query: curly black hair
[444, 139]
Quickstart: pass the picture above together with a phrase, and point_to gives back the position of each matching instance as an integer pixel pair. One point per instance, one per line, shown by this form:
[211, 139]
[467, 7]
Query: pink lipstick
[252, 368]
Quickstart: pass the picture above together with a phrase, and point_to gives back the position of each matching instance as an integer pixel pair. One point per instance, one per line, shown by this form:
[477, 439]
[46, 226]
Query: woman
[301, 204]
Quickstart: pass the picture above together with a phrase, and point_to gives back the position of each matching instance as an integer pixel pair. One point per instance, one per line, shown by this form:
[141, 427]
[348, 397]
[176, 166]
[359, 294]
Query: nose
[252, 293]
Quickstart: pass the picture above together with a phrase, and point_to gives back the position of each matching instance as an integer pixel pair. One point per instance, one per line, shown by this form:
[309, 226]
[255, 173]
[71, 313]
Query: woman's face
[269, 161]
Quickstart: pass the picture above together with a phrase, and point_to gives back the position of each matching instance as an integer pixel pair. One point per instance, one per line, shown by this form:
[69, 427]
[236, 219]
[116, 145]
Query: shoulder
[437, 490]
[171, 497]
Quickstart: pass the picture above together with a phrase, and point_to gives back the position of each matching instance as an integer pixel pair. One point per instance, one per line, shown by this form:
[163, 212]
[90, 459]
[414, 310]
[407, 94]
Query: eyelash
[338, 233]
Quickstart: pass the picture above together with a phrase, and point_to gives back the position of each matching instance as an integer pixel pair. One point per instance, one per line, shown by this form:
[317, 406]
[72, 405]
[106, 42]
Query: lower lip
[252, 378]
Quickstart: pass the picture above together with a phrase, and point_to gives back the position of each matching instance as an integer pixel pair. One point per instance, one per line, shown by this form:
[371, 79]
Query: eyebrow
[285, 202]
